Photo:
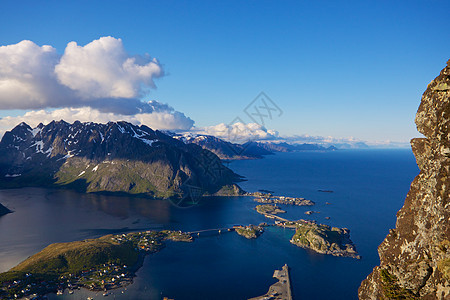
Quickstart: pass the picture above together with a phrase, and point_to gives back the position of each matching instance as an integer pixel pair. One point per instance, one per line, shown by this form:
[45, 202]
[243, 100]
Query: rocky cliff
[113, 157]
[415, 256]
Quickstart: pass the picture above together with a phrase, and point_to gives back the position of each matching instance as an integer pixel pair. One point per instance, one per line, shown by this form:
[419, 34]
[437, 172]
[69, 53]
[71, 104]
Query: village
[268, 198]
[102, 277]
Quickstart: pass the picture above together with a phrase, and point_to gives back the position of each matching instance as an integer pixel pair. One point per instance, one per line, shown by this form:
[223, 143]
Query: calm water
[369, 187]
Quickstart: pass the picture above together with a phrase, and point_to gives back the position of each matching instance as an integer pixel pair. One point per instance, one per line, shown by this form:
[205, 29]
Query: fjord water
[369, 187]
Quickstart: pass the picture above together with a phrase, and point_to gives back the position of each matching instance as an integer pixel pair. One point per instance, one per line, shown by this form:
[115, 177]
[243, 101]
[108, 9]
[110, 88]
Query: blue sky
[335, 68]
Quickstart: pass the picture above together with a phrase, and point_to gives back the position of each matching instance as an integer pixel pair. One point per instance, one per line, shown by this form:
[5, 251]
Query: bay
[369, 187]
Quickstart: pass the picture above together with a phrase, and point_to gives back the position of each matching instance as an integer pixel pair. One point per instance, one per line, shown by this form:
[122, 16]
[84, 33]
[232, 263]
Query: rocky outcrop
[114, 157]
[415, 256]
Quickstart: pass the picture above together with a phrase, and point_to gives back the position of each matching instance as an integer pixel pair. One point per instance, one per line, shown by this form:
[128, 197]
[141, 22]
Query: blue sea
[369, 187]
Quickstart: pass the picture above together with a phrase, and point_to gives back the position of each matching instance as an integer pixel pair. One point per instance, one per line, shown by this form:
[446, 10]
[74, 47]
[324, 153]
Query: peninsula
[100, 264]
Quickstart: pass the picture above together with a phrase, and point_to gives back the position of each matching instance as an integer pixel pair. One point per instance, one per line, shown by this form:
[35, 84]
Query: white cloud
[98, 82]
[27, 79]
[242, 133]
[100, 74]
[163, 120]
[103, 69]
[238, 132]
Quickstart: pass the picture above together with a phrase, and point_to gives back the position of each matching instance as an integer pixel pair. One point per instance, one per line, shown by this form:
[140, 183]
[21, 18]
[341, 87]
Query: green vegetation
[269, 209]
[391, 288]
[66, 260]
[444, 267]
[97, 264]
[249, 232]
[74, 257]
[230, 190]
[442, 86]
[133, 177]
[178, 236]
[323, 238]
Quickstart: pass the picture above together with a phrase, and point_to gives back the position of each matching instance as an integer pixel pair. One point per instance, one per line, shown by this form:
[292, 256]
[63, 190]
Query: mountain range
[251, 150]
[113, 157]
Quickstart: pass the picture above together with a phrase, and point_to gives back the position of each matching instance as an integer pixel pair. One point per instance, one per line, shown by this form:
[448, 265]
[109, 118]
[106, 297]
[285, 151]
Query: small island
[322, 238]
[250, 231]
[100, 264]
[265, 209]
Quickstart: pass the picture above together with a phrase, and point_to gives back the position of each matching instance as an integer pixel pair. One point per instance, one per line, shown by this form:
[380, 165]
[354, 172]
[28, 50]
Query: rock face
[113, 157]
[415, 257]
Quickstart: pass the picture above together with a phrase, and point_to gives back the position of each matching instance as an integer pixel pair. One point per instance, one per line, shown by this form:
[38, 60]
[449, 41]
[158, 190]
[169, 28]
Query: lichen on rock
[415, 257]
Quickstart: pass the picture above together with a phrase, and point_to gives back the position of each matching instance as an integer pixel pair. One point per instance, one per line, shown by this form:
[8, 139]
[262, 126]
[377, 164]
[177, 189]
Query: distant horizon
[346, 71]
[341, 144]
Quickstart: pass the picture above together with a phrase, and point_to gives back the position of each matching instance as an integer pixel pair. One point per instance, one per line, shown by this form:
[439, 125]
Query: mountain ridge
[112, 157]
[226, 150]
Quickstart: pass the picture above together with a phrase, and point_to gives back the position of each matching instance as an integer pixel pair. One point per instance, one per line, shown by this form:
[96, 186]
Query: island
[265, 209]
[322, 238]
[100, 264]
[250, 231]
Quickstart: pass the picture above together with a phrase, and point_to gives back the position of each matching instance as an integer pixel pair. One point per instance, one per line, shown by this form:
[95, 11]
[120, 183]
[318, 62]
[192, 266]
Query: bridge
[218, 230]
[271, 216]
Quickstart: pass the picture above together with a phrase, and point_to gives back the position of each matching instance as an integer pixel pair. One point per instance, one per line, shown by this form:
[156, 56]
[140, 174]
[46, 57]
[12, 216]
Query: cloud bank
[97, 82]
[160, 120]
[241, 133]
[238, 132]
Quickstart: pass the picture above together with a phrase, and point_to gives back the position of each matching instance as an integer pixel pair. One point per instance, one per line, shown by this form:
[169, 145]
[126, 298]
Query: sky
[341, 70]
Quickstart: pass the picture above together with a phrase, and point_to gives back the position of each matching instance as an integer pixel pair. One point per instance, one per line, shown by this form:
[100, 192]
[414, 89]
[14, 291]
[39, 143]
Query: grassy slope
[132, 177]
[73, 257]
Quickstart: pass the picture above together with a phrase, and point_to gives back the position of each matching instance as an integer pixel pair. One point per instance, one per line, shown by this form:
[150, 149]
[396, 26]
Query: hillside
[104, 263]
[112, 157]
